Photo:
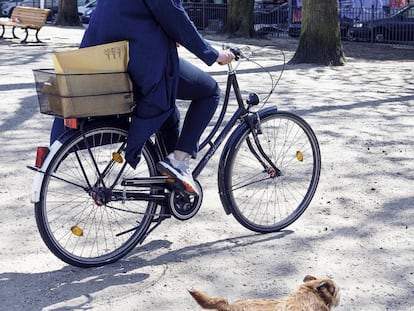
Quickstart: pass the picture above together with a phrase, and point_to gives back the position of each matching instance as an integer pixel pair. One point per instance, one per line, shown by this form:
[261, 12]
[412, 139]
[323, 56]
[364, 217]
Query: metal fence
[207, 16]
[379, 25]
[376, 25]
[272, 20]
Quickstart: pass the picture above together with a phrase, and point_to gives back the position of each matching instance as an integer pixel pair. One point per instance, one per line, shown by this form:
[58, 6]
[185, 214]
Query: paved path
[358, 230]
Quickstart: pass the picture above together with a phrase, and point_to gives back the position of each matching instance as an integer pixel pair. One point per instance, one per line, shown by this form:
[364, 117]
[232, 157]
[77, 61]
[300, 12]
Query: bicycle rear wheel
[80, 215]
[263, 198]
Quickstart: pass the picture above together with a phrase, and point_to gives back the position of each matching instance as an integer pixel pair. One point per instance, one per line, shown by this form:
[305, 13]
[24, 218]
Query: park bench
[25, 18]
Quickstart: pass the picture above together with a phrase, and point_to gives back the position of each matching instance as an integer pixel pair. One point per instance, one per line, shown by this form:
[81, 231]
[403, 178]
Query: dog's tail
[211, 303]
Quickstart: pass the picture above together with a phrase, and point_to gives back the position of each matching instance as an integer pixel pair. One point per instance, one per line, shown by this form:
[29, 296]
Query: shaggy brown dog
[314, 295]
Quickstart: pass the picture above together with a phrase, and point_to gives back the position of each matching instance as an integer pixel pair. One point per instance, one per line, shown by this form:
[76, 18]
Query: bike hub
[100, 196]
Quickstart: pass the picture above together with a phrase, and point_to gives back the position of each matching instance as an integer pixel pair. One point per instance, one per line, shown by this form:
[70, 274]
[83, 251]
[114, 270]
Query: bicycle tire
[74, 224]
[257, 200]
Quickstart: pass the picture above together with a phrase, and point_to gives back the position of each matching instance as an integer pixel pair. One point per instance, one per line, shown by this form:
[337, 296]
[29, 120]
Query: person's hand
[225, 57]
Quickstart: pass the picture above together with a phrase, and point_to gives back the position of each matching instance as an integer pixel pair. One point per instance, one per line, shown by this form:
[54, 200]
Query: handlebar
[237, 53]
[245, 52]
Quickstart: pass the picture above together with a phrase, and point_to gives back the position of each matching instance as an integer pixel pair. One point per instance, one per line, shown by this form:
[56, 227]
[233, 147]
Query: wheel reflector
[299, 156]
[76, 231]
[117, 157]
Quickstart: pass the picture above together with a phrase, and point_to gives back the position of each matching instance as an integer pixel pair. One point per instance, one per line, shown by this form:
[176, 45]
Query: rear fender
[38, 178]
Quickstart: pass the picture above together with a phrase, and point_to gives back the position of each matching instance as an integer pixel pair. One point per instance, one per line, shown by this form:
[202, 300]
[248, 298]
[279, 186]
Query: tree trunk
[240, 18]
[68, 13]
[320, 37]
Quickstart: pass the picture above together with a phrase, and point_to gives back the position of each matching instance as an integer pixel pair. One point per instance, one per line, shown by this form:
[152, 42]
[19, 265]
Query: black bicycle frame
[242, 113]
[239, 114]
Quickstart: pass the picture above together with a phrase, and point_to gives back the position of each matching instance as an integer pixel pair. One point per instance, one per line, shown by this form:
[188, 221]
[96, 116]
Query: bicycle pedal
[179, 185]
[170, 179]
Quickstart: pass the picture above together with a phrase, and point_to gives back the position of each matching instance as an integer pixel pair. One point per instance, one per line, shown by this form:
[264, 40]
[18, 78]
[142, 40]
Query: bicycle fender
[38, 178]
[231, 144]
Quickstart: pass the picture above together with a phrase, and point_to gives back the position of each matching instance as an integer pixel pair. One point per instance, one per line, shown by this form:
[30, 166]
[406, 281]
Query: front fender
[230, 145]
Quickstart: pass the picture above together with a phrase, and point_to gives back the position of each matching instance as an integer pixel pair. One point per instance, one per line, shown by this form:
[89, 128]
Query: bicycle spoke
[76, 217]
[268, 198]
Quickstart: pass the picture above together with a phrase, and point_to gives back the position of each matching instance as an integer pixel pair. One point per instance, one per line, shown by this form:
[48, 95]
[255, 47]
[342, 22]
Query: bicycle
[92, 208]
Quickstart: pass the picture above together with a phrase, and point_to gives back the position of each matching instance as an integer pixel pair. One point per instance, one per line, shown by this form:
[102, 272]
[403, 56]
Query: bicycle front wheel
[82, 216]
[266, 198]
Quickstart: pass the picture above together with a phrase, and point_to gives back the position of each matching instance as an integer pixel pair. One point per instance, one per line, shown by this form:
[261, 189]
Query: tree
[240, 18]
[68, 13]
[320, 37]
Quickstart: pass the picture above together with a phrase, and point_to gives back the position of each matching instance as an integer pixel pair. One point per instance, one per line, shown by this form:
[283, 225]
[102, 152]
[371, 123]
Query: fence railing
[377, 25]
[374, 24]
[207, 16]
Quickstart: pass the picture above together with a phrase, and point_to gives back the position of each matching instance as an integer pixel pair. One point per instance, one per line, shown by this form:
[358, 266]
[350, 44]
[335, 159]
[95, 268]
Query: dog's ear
[308, 278]
[325, 285]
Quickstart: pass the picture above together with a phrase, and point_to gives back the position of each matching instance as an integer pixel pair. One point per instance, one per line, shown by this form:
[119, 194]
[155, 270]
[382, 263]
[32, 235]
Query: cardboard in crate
[90, 82]
[116, 96]
[110, 57]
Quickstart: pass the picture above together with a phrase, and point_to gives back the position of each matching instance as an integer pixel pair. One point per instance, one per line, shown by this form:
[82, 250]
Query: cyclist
[153, 29]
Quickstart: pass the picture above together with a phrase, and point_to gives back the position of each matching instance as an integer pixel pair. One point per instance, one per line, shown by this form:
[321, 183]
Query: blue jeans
[203, 92]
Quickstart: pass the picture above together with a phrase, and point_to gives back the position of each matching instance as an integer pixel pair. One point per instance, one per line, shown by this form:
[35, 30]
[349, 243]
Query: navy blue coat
[153, 29]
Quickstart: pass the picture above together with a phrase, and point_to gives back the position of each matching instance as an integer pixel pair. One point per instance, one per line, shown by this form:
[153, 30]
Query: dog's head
[325, 288]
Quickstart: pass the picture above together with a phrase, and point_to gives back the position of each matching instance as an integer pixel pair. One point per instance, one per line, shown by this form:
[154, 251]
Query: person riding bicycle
[154, 28]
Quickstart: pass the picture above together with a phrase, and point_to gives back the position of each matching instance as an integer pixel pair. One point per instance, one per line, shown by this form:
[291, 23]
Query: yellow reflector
[299, 156]
[76, 231]
[117, 157]
[170, 179]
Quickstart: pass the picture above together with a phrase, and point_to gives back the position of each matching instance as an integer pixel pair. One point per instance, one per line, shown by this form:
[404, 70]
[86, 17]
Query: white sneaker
[180, 172]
